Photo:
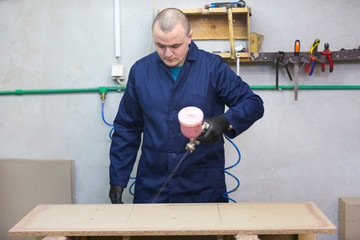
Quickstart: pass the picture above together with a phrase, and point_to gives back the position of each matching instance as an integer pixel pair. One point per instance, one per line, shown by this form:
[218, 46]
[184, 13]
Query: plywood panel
[349, 216]
[304, 217]
[25, 183]
[174, 219]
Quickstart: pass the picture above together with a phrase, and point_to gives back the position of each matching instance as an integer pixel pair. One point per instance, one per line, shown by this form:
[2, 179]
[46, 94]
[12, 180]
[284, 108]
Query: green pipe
[48, 91]
[104, 90]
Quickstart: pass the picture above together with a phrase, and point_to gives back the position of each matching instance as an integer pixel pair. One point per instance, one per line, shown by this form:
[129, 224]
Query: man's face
[173, 46]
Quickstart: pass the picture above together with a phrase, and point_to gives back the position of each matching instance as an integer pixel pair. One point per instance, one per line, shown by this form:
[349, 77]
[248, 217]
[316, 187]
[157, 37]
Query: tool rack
[337, 56]
[342, 55]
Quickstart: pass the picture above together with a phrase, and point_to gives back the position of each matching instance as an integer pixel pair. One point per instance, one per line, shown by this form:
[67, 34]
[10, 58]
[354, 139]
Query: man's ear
[190, 36]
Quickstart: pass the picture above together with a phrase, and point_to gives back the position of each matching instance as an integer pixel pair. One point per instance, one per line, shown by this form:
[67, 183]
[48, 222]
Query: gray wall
[300, 151]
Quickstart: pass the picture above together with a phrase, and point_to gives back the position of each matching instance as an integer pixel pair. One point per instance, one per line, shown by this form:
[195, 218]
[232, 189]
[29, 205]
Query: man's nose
[168, 52]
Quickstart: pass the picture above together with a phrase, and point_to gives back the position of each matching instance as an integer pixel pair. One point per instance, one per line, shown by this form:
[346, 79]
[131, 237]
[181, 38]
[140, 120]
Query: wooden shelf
[221, 24]
[197, 11]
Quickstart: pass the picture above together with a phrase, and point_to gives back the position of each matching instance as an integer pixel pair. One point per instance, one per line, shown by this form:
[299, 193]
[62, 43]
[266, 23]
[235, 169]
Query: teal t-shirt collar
[175, 71]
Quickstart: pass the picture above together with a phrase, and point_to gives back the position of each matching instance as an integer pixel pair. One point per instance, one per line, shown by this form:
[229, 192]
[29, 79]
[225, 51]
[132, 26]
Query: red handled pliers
[327, 53]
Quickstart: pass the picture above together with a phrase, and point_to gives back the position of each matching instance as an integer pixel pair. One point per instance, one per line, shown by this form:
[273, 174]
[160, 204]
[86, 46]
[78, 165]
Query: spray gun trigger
[193, 141]
[205, 126]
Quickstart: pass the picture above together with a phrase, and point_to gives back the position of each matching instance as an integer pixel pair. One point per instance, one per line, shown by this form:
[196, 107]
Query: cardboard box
[349, 219]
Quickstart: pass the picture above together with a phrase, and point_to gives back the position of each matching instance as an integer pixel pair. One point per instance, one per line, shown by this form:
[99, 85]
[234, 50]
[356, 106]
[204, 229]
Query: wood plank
[224, 10]
[173, 219]
[248, 47]
[25, 183]
[242, 55]
[231, 34]
[268, 218]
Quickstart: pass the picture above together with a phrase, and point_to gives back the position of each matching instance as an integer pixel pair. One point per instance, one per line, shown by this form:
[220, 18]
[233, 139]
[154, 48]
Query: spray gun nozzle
[191, 144]
[193, 141]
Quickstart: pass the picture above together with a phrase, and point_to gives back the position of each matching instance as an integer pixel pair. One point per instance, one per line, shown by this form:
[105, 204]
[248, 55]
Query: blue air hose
[132, 185]
[225, 195]
[103, 118]
[110, 136]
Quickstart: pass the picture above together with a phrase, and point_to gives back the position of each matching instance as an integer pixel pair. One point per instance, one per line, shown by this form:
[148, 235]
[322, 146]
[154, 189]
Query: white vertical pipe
[117, 27]
[237, 63]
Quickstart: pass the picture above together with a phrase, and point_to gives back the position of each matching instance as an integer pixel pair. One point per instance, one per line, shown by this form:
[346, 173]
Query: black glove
[217, 126]
[115, 193]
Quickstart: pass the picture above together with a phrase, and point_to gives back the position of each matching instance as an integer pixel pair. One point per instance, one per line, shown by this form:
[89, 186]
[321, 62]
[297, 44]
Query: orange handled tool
[297, 48]
[296, 69]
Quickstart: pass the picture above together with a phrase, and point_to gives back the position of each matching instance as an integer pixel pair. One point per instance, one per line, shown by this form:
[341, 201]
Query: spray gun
[191, 125]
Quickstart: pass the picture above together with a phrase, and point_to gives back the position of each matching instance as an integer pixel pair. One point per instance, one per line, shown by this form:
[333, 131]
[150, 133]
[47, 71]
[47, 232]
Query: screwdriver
[296, 69]
[297, 48]
[226, 4]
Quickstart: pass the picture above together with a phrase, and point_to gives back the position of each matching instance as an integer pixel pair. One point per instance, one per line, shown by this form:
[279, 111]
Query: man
[177, 75]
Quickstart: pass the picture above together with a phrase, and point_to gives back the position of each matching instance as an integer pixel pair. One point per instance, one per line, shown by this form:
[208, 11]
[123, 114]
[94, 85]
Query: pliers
[327, 53]
[279, 58]
[312, 55]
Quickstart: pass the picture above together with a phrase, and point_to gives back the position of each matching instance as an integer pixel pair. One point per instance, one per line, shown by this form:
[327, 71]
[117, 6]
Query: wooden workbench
[213, 219]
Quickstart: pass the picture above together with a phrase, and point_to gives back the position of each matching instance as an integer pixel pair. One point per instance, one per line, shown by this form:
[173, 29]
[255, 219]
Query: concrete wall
[300, 151]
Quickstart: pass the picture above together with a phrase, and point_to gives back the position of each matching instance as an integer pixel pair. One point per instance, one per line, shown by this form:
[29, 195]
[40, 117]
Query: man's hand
[217, 126]
[115, 193]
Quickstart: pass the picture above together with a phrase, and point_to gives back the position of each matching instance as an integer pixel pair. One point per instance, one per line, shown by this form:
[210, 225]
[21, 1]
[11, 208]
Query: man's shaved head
[172, 36]
[169, 18]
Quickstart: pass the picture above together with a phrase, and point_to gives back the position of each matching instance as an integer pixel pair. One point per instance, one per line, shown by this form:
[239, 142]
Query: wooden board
[25, 183]
[173, 219]
[242, 56]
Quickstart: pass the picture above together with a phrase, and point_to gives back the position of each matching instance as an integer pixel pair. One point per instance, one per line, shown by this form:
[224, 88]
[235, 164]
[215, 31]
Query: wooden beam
[231, 33]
